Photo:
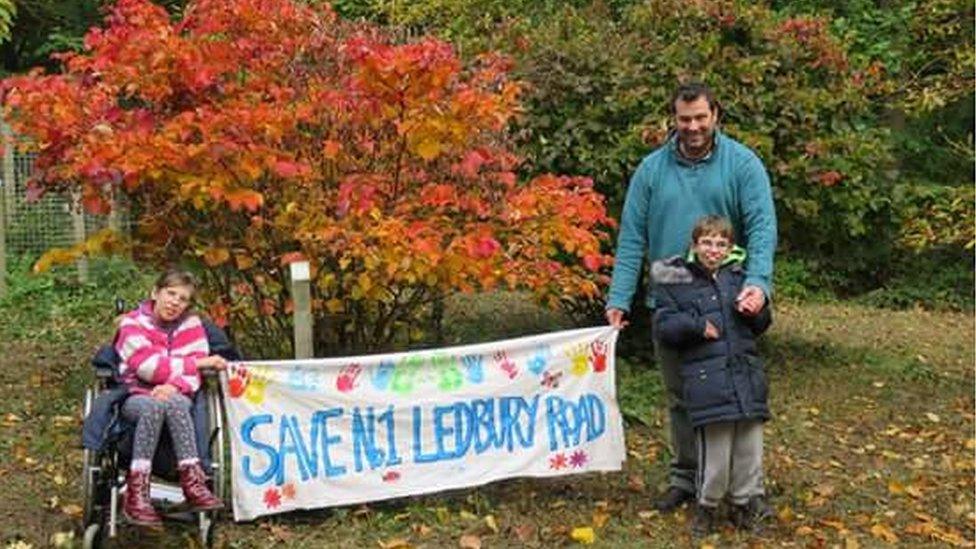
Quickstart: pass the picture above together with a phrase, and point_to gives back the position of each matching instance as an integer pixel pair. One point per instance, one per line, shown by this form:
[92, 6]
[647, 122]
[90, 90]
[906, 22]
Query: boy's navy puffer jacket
[723, 379]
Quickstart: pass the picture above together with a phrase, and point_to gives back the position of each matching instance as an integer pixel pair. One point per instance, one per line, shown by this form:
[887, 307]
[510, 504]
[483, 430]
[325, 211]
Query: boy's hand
[711, 332]
[750, 300]
[615, 317]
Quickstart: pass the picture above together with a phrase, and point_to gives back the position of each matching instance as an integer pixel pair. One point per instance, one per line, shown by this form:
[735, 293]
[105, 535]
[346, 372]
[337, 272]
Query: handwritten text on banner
[325, 432]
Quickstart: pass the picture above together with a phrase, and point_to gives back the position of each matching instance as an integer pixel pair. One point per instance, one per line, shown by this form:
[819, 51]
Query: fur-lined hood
[678, 270]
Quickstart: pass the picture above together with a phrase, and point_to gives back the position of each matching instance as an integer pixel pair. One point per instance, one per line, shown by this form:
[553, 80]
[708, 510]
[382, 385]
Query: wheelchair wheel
[94, 536]
[208, 524]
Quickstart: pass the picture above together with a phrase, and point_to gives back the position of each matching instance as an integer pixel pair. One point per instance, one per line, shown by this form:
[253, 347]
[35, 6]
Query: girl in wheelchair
[164, 349]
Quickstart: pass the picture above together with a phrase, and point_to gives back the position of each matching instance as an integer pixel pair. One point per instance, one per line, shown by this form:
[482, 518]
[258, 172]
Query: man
[698, 171]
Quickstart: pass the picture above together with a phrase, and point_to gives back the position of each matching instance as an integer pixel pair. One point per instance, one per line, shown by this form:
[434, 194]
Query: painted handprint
[405, 373]
[474, 368]
[237, 380]
[449, 378]
[348, 377]
[537, 364]
[506, 364]
[599, 355]
[578, 360]
[550, 378]
[382, 375]
[254, 392]
[304, 379]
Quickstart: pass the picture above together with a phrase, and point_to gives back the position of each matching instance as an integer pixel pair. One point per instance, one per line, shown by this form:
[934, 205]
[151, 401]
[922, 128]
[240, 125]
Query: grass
[872, 442]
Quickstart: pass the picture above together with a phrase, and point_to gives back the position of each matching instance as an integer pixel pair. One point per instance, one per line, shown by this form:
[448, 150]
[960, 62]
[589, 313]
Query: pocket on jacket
[706, 386]
[757, 378]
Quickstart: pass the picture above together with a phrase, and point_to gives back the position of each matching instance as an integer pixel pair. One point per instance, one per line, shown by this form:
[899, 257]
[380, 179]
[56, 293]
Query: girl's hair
[713, 224]
[176, 277]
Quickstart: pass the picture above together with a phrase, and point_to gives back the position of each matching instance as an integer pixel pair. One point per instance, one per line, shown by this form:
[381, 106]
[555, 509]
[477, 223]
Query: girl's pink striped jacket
[152, 356]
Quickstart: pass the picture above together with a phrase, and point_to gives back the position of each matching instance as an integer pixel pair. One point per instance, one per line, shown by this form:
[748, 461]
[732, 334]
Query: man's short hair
[713, 224]
[690, 91]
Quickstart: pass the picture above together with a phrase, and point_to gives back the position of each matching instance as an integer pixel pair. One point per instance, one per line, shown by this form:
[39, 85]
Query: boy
[723, 384]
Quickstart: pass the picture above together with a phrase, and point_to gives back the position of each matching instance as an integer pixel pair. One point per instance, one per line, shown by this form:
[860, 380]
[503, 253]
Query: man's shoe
[673, 499]
[703, 522]
[751, 516]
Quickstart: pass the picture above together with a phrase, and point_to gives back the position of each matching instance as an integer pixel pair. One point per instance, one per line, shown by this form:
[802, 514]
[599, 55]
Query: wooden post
[78, 224]
[301, 294]
[8, 183]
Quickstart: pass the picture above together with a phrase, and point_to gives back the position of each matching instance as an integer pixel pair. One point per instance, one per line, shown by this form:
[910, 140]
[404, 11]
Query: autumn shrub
[253, 133]
[801, 87]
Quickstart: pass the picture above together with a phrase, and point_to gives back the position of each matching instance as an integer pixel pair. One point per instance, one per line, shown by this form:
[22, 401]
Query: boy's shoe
[704, 520]
[672, 499]
[752, 515]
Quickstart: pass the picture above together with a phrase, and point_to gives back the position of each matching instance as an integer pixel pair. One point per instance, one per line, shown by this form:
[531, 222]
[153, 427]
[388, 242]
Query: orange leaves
[215, 257]
[256, 137]
[244, 199]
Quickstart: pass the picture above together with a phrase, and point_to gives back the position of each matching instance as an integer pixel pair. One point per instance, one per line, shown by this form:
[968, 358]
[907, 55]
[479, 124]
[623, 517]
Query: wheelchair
[107, 443]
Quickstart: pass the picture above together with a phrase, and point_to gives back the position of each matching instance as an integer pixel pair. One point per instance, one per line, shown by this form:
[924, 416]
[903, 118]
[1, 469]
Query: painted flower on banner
[558, 461]
[272, 498]
[578, 459]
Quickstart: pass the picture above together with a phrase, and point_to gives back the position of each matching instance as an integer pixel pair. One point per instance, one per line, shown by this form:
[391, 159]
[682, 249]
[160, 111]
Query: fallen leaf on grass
[490, 522]
[934, 418]
[785, 514]
[647, 514]
[600, 519]
[635, 483]
[928, 528]
[469, 541]
[896, 488]
[882, 532]
[584, 535]
[836, 525]
[467, 515]
[395, 543]
[851, 543]
[280, 533]
[62, 539]
[421, 530]
[804, 531]
[72, 510]
[524, 532]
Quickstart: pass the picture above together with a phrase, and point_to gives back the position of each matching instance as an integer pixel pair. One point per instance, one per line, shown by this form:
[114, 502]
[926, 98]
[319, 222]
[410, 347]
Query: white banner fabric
[317, 433]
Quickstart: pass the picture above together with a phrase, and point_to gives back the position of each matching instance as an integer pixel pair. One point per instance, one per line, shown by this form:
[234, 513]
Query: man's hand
[615, 317]
[212, 362]
[163, 392]
[750, 300]
[711, 332]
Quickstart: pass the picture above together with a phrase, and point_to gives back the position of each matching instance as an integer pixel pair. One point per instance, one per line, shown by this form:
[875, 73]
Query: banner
[325, 432]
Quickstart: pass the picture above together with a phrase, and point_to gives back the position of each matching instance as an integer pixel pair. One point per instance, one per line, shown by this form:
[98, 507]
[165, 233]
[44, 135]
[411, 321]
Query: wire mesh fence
[31, 227]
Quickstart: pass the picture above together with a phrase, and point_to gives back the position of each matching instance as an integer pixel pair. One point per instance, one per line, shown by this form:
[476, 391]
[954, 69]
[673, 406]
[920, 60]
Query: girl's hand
[212, 362]
[163, 392]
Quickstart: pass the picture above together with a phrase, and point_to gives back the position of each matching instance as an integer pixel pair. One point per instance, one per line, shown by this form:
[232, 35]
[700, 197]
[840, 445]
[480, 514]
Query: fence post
[301, 293]
[78, 225]
[8, 183]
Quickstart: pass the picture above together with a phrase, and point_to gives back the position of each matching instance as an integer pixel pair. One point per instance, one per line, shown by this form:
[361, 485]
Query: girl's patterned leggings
[149, 414]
